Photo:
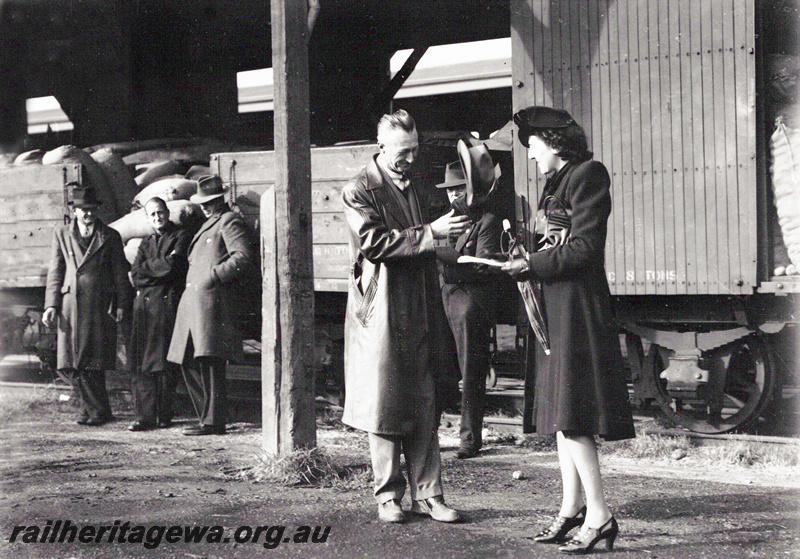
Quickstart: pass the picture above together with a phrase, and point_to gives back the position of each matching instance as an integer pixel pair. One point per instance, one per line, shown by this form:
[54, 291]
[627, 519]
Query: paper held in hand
[476, 260]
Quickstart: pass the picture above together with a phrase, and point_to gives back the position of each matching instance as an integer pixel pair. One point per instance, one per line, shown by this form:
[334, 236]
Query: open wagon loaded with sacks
[36, 190]
[694, 107]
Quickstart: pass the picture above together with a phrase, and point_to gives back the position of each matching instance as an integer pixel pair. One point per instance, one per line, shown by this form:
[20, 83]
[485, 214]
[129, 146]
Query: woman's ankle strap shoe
[561, 526]
[587, 538]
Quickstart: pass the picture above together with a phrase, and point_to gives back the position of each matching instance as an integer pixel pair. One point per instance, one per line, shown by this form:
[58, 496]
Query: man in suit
[469, 292]
[205, 335]
[392, 298]
[159, 276]
[87, 294]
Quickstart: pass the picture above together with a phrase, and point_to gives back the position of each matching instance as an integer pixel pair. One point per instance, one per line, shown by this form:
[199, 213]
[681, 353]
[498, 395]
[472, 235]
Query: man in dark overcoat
[205, 335]
[87, 294]
[393, 293]
[159, 276]
[469, 292]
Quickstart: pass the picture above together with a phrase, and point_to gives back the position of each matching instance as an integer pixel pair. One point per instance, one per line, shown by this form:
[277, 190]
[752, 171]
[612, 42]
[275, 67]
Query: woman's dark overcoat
[159, 276]
[580, 387]
[87, 288]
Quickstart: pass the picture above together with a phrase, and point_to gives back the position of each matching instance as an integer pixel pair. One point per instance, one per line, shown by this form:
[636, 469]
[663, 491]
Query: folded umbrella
[533, 306]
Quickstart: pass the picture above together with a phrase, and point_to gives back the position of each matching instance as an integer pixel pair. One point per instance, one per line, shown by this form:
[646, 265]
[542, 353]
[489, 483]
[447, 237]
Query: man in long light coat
[87, 293]
[205, 335]
[389, 388]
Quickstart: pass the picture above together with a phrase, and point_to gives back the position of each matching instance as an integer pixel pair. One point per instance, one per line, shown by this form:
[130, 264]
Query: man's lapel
[204, 227]
[379, 184]
[98, 239]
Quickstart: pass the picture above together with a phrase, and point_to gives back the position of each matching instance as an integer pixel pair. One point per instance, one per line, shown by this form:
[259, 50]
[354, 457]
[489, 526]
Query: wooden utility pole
[288, 290]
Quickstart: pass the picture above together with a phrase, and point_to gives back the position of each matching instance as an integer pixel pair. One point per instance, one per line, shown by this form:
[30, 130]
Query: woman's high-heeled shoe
[587, 538]
[561, 526]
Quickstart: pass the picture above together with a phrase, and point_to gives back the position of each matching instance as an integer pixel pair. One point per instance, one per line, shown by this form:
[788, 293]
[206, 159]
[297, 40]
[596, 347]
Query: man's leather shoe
[141, 426]
[200, 430]
[464, 453]
[96, 421]
[435, 508]
[165, 424]
[82, 420]
[391, 511]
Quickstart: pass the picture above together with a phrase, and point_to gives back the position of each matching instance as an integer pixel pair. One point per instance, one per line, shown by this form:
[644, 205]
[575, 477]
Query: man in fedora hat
[205, 335]
[390, 324]
[469, 291]
[87, 293]
[159, 274]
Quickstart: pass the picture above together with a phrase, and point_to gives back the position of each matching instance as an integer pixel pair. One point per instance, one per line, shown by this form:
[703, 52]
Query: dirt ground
[55, 470]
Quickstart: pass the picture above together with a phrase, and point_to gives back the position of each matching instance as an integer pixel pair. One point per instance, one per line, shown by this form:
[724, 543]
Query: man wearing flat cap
[87, 294]
[205, 335]
[469, 291]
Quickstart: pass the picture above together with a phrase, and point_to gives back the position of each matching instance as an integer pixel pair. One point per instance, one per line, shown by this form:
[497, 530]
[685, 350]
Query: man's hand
[517, 268]
[449, 224]
[120, 315]
[49, 317]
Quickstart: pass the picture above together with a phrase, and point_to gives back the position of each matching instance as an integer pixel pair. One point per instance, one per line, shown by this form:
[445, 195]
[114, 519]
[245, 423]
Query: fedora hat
[480, 172]
[84, 196]
[453, 176]
[208, 188]
[535, 117]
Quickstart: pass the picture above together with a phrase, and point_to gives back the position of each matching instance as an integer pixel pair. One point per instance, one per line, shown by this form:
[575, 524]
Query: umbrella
[533, 306]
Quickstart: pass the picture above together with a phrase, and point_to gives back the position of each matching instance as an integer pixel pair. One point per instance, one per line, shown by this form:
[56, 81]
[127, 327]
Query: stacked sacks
[174, 187]
[785, 143]
[33, 157]
[94, 177]
[118, 176]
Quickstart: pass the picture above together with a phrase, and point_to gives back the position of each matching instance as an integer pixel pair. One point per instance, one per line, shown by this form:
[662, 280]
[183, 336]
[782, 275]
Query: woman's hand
[517, 268]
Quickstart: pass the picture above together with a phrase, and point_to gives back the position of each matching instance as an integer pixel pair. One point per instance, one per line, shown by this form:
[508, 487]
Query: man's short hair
[158, 200]
[398, 120]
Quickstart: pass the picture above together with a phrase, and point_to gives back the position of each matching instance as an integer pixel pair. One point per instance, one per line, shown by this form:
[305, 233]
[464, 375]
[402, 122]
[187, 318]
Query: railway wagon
[673, 99]
[33, 200]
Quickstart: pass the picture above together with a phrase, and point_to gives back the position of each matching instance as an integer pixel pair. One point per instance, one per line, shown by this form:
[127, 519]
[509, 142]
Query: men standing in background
[469, 292]
[393, 291]
[87, 294]
[205, 335]
[159, 276]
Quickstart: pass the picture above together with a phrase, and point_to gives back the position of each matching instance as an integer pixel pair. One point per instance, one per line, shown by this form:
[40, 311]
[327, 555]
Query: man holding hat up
[205, 335]
[87, 293]
[469, 291]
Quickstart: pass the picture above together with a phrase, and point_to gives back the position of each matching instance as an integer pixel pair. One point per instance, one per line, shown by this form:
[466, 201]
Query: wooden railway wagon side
[33, 200]
[669, 94]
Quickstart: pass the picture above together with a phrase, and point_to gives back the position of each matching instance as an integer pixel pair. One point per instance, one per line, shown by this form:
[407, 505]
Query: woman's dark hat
[84, 197]
[208, 188]
[453, 176]
[534, 118]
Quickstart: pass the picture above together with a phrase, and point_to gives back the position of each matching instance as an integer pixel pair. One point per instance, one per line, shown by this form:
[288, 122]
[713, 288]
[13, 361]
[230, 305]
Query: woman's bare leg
[583, 453]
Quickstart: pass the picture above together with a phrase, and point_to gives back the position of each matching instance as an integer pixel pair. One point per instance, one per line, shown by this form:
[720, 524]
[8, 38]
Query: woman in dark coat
[580, 388]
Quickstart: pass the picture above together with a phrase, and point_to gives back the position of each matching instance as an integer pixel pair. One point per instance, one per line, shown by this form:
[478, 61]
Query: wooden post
[288, 290]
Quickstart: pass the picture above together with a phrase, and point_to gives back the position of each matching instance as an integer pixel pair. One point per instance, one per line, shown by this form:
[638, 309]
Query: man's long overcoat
[219, 256]
[85, 288]
[159, 276]
[392, 297]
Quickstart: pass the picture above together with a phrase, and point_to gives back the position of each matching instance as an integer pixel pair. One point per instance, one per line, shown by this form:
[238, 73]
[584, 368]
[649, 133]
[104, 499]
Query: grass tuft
[646, 446]
[310, 468]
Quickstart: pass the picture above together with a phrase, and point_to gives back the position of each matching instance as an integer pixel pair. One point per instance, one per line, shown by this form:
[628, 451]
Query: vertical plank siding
[665, 90]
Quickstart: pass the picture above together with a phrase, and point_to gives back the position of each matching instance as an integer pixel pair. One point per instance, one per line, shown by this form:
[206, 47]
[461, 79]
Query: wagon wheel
[741, 384]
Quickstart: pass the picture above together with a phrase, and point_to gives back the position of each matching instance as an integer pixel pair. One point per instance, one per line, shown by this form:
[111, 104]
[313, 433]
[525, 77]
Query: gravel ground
[53, 469]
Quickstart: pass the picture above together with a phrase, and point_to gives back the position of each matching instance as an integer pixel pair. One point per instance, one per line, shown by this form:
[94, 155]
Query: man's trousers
[90, 387]
[205, 382]
[154, 393]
